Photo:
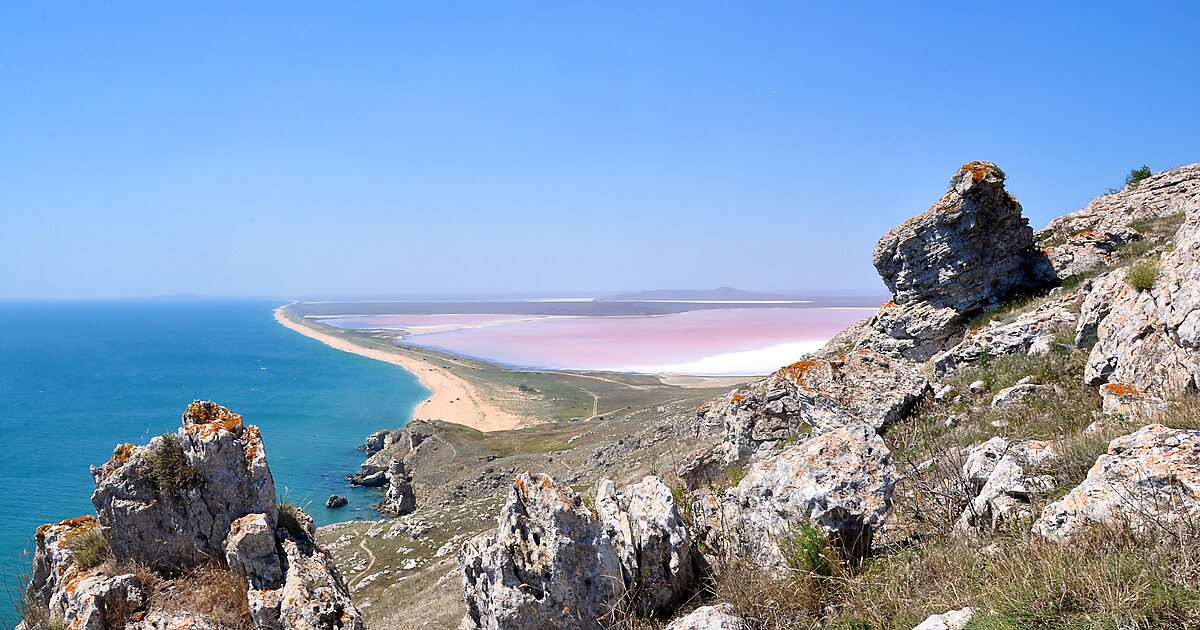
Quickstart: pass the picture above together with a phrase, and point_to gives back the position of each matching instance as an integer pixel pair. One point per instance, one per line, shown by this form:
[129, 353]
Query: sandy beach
[453, 399]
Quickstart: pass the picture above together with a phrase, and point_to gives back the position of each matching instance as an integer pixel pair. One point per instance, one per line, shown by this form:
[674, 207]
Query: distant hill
[721, 293]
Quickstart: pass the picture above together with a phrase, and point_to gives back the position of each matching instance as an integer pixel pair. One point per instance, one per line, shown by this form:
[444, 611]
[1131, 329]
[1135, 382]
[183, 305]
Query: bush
[89, 549]
[169, 466]
[292, 519]
[807, 549]
[1136, 176]
[1142, 274]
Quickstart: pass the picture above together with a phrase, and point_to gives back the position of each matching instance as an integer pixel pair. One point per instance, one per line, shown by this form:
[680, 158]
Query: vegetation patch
[292, 519]
[1143, 274]
[169, 466]
[1137, 176]
[89, 549]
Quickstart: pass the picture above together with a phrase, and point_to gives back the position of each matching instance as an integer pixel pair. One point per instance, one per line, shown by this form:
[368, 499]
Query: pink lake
[709, 342]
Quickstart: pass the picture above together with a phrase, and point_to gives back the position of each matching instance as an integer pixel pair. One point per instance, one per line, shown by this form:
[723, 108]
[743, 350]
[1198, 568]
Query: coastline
[452, 398]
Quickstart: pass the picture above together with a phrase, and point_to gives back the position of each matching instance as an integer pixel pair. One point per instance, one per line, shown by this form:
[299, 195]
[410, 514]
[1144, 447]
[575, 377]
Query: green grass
[169, 466]
[89, 549]
[1142, 274]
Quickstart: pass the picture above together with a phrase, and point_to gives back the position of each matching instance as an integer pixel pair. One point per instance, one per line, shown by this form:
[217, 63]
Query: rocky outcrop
[841, 481]
[1032, 332]
[1119, 399]
[652, 541]
[813, 397]
[969, 252]
[999, 476]
[549, 564]
[1085, 252]
[1170, 192]
[1149, 480]
[400, 499]
[202, 495]
[1020, 392]
[1150, 339]
[719, 617]
[170, 504]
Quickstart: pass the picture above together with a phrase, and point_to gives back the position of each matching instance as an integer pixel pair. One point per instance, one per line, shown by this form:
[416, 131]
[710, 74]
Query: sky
[301, 149]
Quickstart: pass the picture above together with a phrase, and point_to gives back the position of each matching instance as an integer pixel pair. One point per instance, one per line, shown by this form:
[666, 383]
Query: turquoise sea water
[76, 378]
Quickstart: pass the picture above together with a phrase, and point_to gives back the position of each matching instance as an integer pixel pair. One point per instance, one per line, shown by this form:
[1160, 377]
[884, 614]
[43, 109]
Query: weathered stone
[1149, 479]
[816, 396]
[1167, 193]
[1120, 399]
[1149, 340]
[1086, 252]
[652, 541]
[336, 501]
[719, 617]
[841, 481]
[997, 474]
[967, 253]
[1010, 396]
[977, 386]
[549, 564]
[313, 596]
[187, 526]
[400, 498]
[250, 548]
[952, 620]
[1031, 332]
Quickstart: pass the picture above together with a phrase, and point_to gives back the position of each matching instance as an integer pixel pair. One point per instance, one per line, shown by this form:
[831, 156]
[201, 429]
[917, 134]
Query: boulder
[1120, 399]
[952, 620]
[549, 564]
[841, 481]
[1148, 480]
[250, 548]
[719, 617]
[170, 504]
[1020, 392]
[997, 474]
[336, 501]
[652, 542]
[969, 252]
[1149, 340]
[813, 397]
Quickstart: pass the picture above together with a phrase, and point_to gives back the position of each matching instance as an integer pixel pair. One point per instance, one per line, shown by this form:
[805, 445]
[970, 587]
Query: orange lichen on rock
[206, 411]
[796, 371]
[1121, 389]
[737, 398]
[252, 439]
[980, 170]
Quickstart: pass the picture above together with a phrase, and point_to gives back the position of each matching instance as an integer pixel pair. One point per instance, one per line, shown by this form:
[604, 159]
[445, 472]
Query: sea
[77, 378]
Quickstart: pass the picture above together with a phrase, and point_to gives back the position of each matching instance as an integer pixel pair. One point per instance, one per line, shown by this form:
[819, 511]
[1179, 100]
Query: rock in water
[336, 501]
[1149, 479]
[1149, 340]
[969, 252]
[654, 545]
[841, 481]
[550, 564]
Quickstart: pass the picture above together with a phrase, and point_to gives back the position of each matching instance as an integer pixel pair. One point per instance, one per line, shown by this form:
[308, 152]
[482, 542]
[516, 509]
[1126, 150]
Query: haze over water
[76, 378]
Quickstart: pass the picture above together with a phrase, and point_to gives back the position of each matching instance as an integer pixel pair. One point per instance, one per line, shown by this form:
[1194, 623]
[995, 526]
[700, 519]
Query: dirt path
[370, 564]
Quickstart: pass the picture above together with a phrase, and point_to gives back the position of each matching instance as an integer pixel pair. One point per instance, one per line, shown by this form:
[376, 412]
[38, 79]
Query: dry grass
[89, 549]
[213, 592]
[169, 466]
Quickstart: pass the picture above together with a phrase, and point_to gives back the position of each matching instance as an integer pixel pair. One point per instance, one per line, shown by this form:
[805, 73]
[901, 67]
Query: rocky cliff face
[188, 505]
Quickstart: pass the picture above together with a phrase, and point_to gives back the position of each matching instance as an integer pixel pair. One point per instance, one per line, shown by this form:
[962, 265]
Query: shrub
[292, 519]
[169, 466]
[807, 549]
[1142, 274]
[89, 549]
[1136, 176]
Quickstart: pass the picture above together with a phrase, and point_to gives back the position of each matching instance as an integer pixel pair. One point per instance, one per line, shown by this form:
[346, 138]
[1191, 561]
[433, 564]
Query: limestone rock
[313, 596]
[250, 548]
[719, 617]
[549, 564]
[841, 481]
[1150, 340]
[952, 620]
[652, 542]
[998, 476]
[1010, 396]
[400, 498]
[1085, 252]
[1029, 333]
[1120, 399]
[816, 396]
[1170, 192]
[970, 251]
[1148, 479]
[222, 474]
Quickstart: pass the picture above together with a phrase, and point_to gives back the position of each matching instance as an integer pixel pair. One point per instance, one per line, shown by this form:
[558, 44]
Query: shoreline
[452, 398]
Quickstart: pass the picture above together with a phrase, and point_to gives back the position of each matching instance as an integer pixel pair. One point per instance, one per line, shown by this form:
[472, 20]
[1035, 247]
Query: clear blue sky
[341, 148]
